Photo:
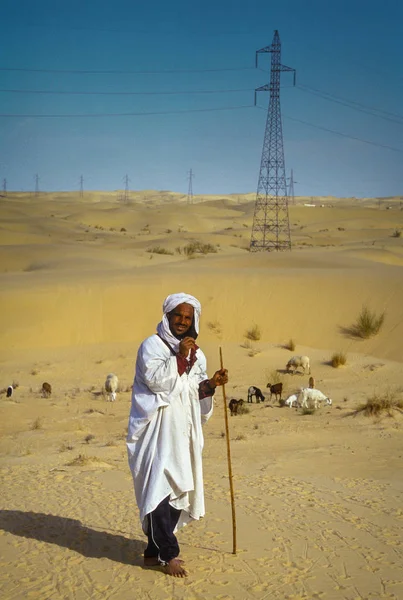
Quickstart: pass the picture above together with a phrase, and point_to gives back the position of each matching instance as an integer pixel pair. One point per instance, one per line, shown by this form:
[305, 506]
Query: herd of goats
[305, 398]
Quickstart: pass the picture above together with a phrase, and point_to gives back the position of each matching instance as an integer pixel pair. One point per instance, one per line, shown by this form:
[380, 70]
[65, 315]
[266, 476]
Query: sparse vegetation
[338, 359]
[397, 233]
[253, 333]
[160, 250]
[196, 247]
[65, 447]
[368, 324]
[307, 411]
[273, 377]
[81, 460]
[37, 424]
[243, 410]
[241, 437]
[381, 403]
[88, 438]
[215, 327]
[290, 346]
[34, 372]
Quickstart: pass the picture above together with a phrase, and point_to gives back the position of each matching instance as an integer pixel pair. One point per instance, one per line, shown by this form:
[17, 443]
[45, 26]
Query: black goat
[255, 391]
[234, 405]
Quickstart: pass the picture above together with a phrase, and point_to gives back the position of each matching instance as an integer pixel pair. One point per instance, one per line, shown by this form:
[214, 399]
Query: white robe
[165, 438]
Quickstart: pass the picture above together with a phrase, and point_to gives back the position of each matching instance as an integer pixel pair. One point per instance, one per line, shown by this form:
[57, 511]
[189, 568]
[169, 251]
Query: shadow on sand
[72, 534]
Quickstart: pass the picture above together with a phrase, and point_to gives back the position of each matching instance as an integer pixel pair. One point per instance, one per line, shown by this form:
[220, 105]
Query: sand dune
[318, 496]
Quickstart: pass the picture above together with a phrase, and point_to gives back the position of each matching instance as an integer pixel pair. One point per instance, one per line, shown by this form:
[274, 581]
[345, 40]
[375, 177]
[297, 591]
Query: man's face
[180, 319]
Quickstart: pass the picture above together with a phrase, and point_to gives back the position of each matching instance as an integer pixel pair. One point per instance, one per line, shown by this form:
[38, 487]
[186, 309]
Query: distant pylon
[81, 186]
[271, 225]
[291, 196]
[4, 187]
[36, 184]
[126, 192]
[190, 188]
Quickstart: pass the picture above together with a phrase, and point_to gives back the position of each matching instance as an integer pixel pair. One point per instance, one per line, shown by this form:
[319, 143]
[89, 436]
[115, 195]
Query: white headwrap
[170, 303]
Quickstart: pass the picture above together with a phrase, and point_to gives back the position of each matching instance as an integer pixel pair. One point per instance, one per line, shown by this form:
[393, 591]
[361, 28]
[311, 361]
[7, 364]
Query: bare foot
[174, 568]
[152, 561]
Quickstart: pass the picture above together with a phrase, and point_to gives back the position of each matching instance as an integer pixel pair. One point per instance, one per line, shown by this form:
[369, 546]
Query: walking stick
[231, 487]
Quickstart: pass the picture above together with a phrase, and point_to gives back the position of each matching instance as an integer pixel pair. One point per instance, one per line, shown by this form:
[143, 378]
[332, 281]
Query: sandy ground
[319, 497]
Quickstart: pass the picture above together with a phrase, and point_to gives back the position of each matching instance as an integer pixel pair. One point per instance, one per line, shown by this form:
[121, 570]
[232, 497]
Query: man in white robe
[172, 398]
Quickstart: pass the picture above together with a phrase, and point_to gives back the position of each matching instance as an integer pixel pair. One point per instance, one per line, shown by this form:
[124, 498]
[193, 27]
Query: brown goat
[276, 389]
[46, 389]
[234, 405]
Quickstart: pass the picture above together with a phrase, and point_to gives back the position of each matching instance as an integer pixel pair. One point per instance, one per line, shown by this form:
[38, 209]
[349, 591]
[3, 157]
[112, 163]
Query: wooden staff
[231, 487]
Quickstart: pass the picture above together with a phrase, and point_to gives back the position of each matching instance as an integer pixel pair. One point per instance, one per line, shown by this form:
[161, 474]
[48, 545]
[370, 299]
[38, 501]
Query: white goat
[291, 400]
[299, 361]
[111, 386]
[316, 396]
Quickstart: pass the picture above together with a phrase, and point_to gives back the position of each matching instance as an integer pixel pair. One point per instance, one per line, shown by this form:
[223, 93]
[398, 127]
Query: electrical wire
[79, 93]
[122, 72]
[129, 114]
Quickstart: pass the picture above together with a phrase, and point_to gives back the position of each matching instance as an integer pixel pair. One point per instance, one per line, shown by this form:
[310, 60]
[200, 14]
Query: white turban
[170, 303]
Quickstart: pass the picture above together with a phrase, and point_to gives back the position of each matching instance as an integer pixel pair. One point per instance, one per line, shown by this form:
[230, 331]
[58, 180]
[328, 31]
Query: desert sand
[319, 497]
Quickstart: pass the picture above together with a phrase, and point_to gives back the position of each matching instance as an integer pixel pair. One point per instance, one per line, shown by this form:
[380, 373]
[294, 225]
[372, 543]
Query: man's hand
[185, 345]
[219, 378]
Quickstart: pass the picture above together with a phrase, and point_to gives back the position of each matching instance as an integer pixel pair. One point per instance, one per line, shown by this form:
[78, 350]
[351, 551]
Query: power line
[354, 105]
[79, 93]
[351, 137]
[130, 114]
[124, 72]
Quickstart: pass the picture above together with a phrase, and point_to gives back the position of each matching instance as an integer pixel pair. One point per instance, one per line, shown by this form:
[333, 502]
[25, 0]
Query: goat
[10, 390]
[111, 386]
[315, 395]
[276, 389]
[298, 361]
[291, 400]
[255, 391]
[234, 405]
[46, 389]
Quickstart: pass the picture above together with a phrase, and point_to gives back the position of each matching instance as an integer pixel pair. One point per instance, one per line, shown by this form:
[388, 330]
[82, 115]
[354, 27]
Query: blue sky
[349, 51]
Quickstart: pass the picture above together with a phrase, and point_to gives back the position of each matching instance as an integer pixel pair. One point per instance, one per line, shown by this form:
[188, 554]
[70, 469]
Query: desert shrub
[64, 447]
[381, 403]
[81, 460]
[290, 346]
[397, 233]
[273, 377]
[253, 333]
[241, 437]
[307, 411]
[37, 424]
[338, 359]
[243, 410]
[214, 326]
[159, 250]
[88, 438]
[197, 247]
[368, 323]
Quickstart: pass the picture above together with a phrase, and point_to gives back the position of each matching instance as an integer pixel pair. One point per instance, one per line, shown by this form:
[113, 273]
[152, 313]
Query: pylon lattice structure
[190, 188]
[81, 186]
[291, 195]
[271, 225]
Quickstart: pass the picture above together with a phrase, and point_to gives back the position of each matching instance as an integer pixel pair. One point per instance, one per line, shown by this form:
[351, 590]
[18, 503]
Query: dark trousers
[162, 542]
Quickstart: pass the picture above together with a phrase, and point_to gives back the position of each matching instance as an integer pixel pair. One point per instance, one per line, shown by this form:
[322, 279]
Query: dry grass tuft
[397, 233]
[88, 438]
[243, 410]
[368, 324]
[381, 403]
[215, 327]
[338, 359]
[290, 346]
[82, 460]
[241, 437]
[308, 411]
[37, 424]
[160, 250]
[65, 447]
[253, 334]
